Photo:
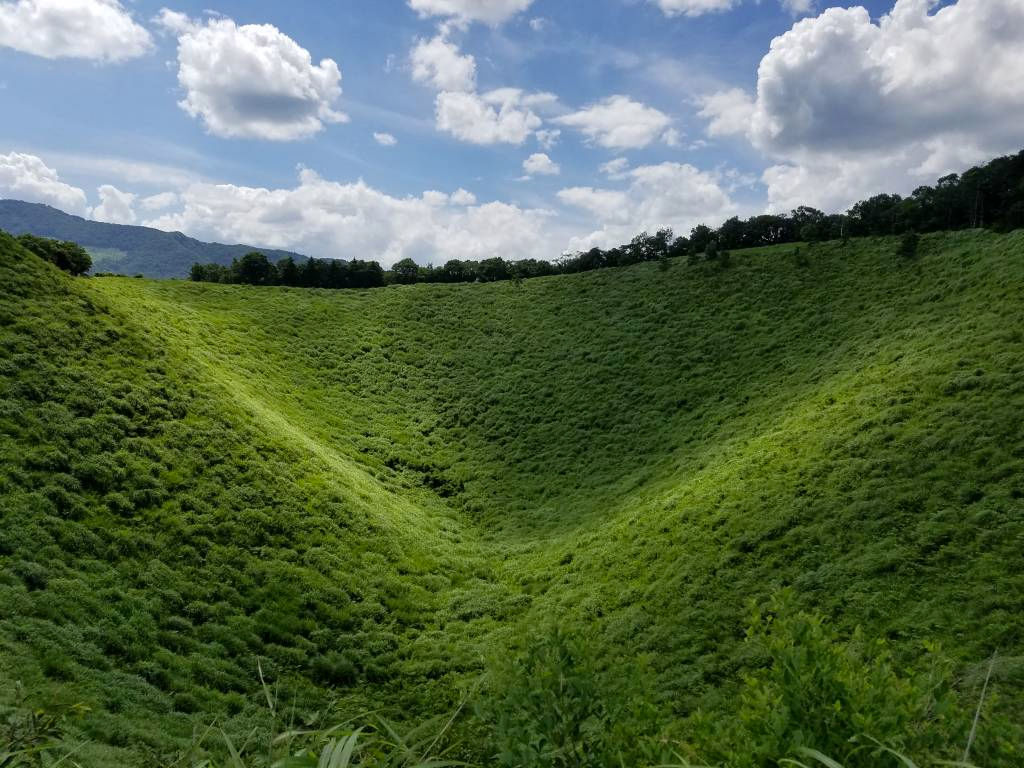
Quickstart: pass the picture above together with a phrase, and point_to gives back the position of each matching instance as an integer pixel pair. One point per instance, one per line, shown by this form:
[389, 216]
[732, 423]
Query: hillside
[125, 250]
[375, 492]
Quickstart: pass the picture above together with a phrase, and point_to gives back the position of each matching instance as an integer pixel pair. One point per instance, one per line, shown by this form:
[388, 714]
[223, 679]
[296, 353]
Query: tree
[494, 269]
[287, 271]
[406, 271]
[63, 254]
[253, 269]
[700, 236]
[309, 274]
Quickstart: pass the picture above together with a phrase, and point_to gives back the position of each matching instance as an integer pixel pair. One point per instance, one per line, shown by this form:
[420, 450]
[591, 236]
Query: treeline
[989, 196]
[255, 269]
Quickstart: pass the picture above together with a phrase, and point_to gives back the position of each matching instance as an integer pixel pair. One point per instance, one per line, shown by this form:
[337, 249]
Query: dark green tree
[406, 272]
[287, 271]
[71, 257]
[253, 269]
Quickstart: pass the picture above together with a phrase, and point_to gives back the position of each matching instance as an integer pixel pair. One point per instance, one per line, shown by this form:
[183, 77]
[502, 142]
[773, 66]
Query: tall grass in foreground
[815, 701]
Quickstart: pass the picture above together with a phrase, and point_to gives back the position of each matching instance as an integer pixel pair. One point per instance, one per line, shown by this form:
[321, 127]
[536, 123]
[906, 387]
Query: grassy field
[375, 494]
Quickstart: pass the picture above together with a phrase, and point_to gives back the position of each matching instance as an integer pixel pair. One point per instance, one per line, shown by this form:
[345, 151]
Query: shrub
[842, 699]
[909, 244]
[551, 706]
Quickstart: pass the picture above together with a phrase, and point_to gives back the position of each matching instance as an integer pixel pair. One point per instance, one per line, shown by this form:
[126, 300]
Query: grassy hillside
[374, 491]
[122, 249]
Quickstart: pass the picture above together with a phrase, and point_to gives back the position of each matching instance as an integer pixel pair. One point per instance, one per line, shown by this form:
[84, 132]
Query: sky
[441, 129]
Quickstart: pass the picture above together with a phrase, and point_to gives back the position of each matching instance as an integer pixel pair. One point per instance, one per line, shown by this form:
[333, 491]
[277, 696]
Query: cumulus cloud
[354, 220]
[700, 7]
[693, 7]
[844, 102]
[252, 81]
[548, 137]
[492, 12]
[27, 177]
[666, 195]
[116, 207]
[728, 112]
[159, 202]
[385, 139]
[619, 122]
[799, 7]
[440, 64]
[540, 164]
[100, 30]
[616, 169]
[498, 117]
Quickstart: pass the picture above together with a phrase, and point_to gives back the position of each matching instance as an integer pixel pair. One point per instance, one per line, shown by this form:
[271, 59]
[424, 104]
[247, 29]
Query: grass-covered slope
[373, 489]
[161, 534]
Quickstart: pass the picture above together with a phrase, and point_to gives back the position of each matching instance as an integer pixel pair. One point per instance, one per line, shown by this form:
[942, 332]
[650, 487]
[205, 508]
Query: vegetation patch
[385, 501]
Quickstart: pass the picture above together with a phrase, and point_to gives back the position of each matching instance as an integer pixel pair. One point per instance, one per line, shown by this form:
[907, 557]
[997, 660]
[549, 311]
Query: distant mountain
[124, 249]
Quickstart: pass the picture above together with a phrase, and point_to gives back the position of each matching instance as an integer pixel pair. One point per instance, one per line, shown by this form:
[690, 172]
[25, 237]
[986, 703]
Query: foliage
[369, 493]
[909, 243]
[842, 699]
[255, 269]
[551, 706]
[70, 257]
[32, 737]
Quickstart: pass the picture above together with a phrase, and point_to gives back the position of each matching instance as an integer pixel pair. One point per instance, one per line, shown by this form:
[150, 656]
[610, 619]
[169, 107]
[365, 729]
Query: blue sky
[94, 120]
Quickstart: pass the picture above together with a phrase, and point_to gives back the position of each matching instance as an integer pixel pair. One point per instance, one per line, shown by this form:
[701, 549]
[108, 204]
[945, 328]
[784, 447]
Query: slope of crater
[371, 489]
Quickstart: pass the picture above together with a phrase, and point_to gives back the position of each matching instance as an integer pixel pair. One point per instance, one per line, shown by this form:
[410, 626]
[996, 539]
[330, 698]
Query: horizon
[466, 129]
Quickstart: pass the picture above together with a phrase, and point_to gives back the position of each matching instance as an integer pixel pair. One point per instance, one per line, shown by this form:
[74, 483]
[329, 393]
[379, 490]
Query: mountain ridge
[126, 249]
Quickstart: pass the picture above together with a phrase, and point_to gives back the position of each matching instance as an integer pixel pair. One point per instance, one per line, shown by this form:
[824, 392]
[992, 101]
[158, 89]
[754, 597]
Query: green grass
[105, 259]
[374, 491]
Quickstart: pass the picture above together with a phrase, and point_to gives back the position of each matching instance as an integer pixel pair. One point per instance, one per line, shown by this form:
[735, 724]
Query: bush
[842, 699]
[909, 244]
[551, 706]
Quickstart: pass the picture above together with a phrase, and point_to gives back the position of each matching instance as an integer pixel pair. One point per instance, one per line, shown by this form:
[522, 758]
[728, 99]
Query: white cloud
[693, 7]
[666, 195]
[701, 7]
[616, 169]
[28, 178]
[492, 12]
[799, 7]
[133, 172]
[116, 207]
[100, 30]
[727, 112]
[548, 137]
[252, 81]
[159, 202]
[539, 24]
[847, 106]
[618, 122]
[330, 219]
[540, 164]
[385, 139]
[497, 117]
[439, 63]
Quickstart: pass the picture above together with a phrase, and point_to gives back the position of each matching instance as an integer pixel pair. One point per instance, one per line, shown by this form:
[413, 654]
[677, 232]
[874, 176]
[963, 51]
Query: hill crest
[123, 248]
